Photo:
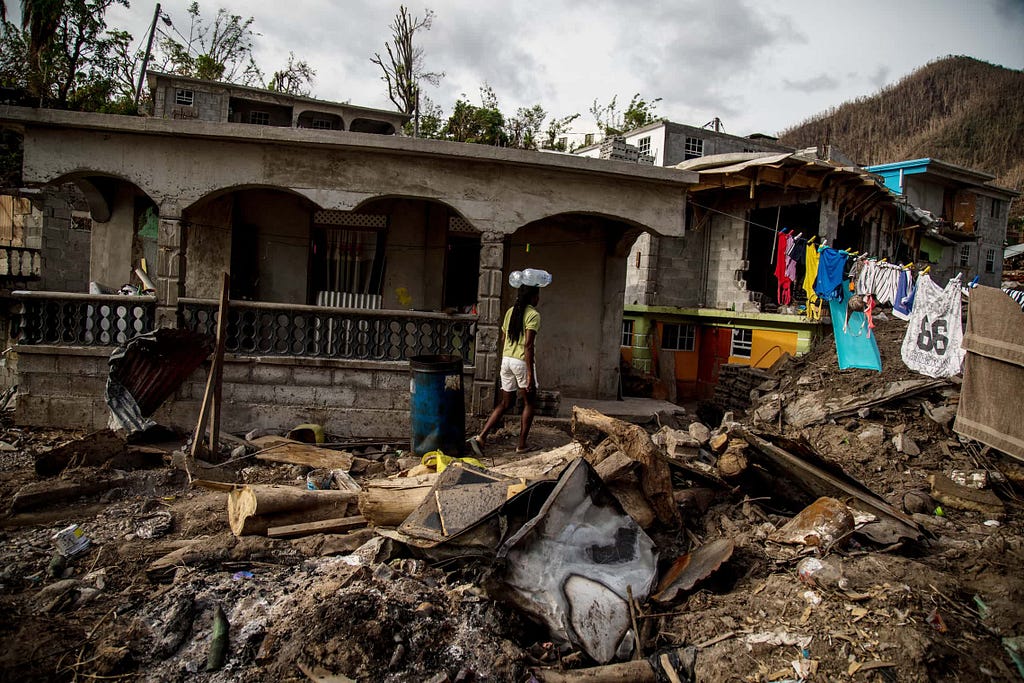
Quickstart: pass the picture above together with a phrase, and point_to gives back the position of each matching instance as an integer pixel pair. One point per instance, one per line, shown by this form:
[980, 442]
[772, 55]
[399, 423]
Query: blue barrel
[437, 405]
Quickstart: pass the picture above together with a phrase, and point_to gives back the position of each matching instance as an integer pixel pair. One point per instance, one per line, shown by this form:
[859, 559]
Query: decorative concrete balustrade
[71, 319]
[20, 264]
[271, 329]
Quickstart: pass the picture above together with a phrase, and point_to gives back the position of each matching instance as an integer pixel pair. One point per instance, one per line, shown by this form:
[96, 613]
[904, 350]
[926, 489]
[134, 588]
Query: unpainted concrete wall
[64, 388]
[208, 247]
[575, 337]
[110, 261]
[726, 288]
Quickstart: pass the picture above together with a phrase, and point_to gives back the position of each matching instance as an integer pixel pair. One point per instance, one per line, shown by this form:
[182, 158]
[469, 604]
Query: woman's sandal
[477, 445]
[524, 450]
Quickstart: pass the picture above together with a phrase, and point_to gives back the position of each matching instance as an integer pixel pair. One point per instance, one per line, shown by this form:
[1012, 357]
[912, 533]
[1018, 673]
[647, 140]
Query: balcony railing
[270, 329]
[20, 264]
[70, 319]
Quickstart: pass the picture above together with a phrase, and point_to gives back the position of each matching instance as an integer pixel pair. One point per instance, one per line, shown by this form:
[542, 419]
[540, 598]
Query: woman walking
[518, 370]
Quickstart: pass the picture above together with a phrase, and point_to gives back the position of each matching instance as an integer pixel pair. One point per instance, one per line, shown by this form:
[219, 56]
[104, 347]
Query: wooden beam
[325, 526]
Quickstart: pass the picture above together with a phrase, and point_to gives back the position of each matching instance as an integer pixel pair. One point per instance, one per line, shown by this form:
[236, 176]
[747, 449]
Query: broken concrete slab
[815, 407]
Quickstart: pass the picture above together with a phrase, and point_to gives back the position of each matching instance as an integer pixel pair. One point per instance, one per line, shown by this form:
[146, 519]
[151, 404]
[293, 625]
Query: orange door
[715, 343]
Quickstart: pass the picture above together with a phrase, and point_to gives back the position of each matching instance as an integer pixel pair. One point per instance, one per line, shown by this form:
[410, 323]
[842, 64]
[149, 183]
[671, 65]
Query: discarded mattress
[989, 408]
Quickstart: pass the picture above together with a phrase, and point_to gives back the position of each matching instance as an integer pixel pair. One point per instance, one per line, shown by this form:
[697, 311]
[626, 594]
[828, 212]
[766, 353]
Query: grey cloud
[815, 84]
[711, 44]
[880, 76]
[1009, 10]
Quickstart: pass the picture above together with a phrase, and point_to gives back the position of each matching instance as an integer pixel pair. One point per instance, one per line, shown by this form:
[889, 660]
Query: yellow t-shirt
[517, 348]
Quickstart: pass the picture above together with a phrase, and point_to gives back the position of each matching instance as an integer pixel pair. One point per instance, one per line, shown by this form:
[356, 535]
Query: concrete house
[708, 299]
[966, 216]
[180, 97]
[348, 252]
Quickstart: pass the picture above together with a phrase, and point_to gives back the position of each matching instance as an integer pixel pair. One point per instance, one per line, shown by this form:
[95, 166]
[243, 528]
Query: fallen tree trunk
[254, 509]
[655, 477]
[50, 493]
[291, 452]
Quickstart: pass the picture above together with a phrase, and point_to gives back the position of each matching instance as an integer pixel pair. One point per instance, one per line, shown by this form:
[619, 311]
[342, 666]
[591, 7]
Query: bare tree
[403, 69]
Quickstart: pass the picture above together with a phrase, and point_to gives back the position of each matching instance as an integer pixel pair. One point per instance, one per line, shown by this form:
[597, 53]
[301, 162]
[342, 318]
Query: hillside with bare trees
[957, 109]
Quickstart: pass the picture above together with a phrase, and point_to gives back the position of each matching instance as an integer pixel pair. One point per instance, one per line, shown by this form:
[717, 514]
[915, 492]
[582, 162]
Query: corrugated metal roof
[148, 369]
[1015, 250]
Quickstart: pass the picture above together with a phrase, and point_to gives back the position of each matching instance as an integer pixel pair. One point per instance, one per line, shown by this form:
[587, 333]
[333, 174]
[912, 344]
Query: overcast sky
[759, 66]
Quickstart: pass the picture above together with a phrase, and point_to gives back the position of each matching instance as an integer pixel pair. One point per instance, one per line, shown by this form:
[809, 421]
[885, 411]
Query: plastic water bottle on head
[535, 277]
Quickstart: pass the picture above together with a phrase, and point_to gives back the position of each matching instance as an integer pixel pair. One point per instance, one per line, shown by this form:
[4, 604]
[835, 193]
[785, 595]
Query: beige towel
[993, 390]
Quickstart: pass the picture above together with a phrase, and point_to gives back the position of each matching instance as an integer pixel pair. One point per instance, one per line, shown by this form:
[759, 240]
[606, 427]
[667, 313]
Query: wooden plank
[280, 449]
[217, 371]
[212, 394]
[326, 526]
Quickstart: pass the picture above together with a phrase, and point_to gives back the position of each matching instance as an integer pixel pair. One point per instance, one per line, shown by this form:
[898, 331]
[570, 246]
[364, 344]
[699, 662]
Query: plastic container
[437, 405]
[532, 277]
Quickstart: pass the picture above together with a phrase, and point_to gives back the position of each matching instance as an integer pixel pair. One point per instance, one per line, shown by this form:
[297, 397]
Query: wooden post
[211, 397]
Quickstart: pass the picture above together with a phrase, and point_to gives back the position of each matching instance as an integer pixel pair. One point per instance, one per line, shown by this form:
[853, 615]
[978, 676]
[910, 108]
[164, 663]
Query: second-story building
[180, 97]
[970, 215]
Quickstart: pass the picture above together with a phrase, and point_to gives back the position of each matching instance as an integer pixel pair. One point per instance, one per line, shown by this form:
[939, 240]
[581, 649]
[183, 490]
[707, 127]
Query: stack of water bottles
[531, 277]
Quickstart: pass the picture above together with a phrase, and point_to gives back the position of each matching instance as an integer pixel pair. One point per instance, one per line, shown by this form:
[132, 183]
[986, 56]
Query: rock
[864, 413]
[872, 435]
[680, 444]
[904, 444]
[719, 442]
[699, 432]
[941, 415]
[918, 502]
[768, 408]
[732, 463]
[951, 494]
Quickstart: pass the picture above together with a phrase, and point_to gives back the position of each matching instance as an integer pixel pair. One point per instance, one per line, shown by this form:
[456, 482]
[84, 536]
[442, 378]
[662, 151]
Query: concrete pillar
[828, 219]
[489, 313]
[611, 320]
[170, 271]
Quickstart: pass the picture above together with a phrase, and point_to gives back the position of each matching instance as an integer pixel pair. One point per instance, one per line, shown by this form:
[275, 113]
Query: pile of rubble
[837, 531]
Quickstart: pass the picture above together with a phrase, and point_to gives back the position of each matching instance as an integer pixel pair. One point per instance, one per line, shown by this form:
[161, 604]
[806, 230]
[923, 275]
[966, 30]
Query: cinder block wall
[64, 388]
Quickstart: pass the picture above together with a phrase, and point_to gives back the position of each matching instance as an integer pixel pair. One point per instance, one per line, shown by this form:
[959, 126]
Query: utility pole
[145, 59]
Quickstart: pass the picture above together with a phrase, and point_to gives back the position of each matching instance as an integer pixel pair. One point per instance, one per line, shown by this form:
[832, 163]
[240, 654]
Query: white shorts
[513, 374]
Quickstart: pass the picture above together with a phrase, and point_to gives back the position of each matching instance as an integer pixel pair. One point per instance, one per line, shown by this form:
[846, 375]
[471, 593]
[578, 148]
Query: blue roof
[897, 165]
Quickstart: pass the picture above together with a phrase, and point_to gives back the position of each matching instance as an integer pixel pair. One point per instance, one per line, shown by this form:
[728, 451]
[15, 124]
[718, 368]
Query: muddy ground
[932, 611]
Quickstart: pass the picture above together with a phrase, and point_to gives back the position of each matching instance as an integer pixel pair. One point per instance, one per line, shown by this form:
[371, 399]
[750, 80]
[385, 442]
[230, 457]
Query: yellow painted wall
[767, 346]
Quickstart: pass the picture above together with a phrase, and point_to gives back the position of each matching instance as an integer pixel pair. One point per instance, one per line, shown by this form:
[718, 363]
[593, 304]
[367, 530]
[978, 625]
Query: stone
[864, 413]
[904, 444]
[699, 432]
[719, 442]
[872, 435]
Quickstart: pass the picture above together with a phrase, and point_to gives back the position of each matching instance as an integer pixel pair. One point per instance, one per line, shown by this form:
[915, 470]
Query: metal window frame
[741, 344]
[627, 336]
[179, 97]
[965, 256]
[253, 113]
[694, 147]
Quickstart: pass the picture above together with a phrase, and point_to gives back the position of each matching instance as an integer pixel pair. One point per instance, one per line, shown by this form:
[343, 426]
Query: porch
[348, 254]
[284, 364]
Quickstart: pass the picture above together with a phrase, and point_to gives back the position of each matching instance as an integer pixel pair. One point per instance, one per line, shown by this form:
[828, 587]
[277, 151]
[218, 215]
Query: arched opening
[581, 311]
[319, 120]
[432, 255]
[122, 223]
[258, 234]
[371, 126]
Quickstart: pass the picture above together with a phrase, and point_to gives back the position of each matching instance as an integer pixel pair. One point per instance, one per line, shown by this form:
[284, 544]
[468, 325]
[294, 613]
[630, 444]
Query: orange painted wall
[766, 347]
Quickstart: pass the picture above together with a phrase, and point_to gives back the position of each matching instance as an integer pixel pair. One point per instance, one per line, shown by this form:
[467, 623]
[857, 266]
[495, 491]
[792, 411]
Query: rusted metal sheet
[148, 369]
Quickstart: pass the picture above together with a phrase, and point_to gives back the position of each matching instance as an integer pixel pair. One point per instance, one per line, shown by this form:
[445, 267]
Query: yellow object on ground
[439, 461]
